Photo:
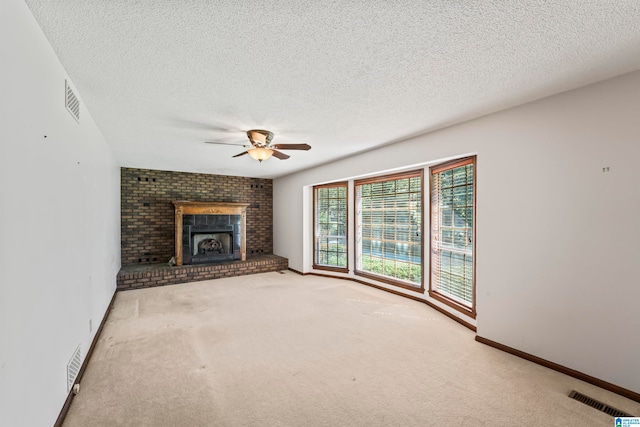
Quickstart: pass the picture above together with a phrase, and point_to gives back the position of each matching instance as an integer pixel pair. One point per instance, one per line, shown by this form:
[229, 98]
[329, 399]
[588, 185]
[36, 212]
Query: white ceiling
[161, 77]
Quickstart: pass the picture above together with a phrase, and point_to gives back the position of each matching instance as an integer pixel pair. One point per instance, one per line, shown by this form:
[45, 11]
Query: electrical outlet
[606, 169]
[90, 325]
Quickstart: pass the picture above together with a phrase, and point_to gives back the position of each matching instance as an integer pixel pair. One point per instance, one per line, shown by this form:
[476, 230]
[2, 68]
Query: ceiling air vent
[597, 404]
[73, 368]
[71, 101]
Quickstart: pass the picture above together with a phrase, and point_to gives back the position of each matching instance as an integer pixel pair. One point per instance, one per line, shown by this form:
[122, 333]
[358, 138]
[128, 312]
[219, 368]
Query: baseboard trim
[70, 396]
[562, 369]
[393, 291]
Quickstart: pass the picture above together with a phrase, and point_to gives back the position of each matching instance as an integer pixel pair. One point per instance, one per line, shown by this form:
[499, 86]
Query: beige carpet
[279, 349]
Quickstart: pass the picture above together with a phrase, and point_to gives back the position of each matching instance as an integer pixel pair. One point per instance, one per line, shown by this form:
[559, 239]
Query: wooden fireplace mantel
[210, 208]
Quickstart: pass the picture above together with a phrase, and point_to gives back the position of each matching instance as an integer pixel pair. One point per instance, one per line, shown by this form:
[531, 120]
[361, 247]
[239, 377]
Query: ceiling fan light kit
[260, 153]
[261, 148]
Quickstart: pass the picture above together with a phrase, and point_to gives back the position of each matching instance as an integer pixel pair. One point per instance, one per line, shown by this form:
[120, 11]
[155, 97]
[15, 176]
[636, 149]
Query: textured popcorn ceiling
[161, 77]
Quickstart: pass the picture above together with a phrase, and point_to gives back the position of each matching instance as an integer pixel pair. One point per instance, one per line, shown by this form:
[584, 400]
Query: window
[330, 227]
[389, 229]
[452, 234]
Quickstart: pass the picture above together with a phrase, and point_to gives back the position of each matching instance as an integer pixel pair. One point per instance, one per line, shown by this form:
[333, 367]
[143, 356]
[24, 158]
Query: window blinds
[389, 227]
[330, 226]
[452, 230]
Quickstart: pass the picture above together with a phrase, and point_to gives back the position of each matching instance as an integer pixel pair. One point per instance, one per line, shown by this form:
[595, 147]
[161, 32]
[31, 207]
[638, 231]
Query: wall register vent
[71, 101]
[73, 368]
[597, 404]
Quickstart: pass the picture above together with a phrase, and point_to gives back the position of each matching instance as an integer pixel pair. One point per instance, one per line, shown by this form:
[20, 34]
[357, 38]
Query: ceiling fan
[261, 148]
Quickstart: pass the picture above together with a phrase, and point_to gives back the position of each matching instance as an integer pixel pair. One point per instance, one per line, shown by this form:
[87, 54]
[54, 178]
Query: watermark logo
[627, 422]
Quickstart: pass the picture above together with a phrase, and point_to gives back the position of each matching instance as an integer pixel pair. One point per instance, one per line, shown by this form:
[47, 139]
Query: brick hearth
[150, 275]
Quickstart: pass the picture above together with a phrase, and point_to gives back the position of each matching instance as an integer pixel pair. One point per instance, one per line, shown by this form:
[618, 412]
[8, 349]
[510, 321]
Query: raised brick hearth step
[149, 275]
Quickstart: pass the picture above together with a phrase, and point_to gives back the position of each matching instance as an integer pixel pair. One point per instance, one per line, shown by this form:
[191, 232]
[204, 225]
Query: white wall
[59, 222]
[557, 239]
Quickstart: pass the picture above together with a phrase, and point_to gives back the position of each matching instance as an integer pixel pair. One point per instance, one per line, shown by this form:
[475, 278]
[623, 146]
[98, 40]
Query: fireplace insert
[210, 238]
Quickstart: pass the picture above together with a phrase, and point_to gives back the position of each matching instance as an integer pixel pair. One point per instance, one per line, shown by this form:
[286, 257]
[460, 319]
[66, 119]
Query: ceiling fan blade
[241, 154]
[280, 155]
[291, 146]
[224, 143]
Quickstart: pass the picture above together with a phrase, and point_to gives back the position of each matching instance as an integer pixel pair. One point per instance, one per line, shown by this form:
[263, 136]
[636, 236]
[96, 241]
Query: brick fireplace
[148, 232]
[148, 213]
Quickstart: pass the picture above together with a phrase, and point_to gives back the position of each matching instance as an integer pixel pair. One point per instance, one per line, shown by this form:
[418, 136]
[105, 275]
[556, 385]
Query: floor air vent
[71, 101]
[597, 404]
[73, 368]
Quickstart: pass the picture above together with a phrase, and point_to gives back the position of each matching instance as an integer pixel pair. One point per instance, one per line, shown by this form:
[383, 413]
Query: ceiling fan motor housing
[260, 137]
